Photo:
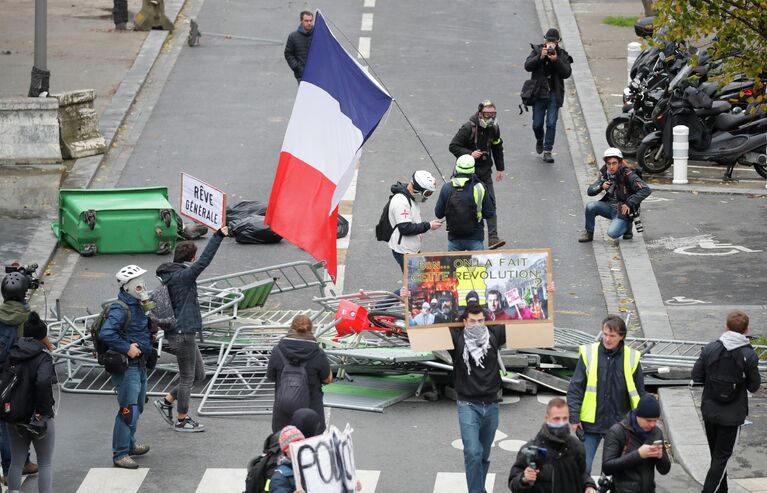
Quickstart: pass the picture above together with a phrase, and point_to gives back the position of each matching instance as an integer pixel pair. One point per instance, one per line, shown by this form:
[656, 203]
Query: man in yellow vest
[606, 385]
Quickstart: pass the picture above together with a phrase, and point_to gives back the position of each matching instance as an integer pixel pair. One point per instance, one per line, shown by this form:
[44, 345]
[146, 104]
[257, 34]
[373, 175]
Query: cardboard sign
[325, 463]
[202, 203]
[512, 286]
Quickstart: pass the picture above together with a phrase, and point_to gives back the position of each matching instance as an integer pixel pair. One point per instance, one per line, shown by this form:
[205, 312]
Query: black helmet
[14, 286]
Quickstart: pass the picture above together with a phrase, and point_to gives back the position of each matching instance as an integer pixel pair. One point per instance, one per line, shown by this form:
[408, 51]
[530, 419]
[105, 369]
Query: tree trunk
[648, 10]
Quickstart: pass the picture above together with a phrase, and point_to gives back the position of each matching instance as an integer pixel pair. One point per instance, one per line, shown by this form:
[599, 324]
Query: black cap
[648, 407]
[35, 328]
[552, 35]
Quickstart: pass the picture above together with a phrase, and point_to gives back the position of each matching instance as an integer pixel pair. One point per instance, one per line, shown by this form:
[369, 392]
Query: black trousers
[721, 442]
[492, 223]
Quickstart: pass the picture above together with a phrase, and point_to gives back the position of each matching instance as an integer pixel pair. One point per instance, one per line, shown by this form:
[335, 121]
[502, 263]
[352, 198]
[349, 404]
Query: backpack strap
[126, 322]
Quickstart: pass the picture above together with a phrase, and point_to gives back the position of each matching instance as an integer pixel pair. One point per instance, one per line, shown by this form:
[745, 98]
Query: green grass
[620, 20]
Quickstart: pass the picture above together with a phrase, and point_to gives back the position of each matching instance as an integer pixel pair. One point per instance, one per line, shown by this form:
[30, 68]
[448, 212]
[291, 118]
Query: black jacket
[487, 207]
[612, 397]
[297, 49]
[472, 137]
[37, 366]
[484, 382]
[629, 188]
[563, 471]
[630, 472]
[181, 280]
[556, 72]
[732, 413]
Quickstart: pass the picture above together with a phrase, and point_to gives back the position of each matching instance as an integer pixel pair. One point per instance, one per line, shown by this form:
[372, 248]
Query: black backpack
[260, 468]
[16, 406]
[461, 216]
[293, 389]
[724, 375]
[384, 229]
[99, 347]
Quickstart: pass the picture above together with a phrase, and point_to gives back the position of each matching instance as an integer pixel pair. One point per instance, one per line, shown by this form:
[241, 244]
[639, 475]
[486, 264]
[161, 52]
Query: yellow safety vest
[590, 356]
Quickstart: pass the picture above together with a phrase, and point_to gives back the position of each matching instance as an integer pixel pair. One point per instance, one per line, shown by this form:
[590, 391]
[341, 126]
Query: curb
[43, 243]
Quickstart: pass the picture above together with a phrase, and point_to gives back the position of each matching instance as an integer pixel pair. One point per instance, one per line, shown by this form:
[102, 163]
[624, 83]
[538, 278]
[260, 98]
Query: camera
[28, 271]
[604, 484]
[637, 221]
[534, 456]
[550, 51]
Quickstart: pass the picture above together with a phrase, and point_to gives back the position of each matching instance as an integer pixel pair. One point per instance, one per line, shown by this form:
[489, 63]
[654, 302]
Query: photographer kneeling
[554, 461]
[624, 191]
[634, 448]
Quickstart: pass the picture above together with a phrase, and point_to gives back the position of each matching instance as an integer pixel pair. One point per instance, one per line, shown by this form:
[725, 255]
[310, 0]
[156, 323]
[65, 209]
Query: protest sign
[512, 286]
[325, 463]
[202, 203]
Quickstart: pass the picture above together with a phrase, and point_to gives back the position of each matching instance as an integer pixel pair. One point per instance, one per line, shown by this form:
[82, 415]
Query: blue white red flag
[337, 107]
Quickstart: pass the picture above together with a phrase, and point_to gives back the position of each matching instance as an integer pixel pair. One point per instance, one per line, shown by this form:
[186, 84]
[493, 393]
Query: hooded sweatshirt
[37, 367]
[13, 314]
[405, 218]
[727, 413]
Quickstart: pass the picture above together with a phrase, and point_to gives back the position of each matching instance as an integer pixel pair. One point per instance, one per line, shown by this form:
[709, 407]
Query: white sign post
[202, 203]
[325, 463]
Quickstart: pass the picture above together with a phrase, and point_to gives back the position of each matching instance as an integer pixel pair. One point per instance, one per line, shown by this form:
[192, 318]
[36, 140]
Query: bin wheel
[165, 215]
[164, 249]
[392, 323]
[88, 250]
[90, 218]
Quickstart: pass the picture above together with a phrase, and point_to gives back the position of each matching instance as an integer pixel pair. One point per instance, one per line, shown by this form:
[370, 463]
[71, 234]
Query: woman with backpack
[299, 368]
[30, 407]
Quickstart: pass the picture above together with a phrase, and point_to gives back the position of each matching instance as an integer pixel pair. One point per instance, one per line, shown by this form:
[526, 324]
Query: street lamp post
[40, 74]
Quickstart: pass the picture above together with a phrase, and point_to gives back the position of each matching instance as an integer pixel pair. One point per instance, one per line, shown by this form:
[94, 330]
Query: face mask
[487, 122]
[421, 196]
[135, 287]
[559, 430]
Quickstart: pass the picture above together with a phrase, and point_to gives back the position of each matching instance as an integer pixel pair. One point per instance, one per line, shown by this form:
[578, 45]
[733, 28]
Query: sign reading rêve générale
[202, 203]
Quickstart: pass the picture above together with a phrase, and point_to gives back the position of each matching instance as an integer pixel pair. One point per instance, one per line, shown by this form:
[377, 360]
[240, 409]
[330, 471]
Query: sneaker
[165, 410]
[628, 235]
[538, 146]
[586, 237]
[547, 157]
[4, 480]
[188, 425]
[29, 468]
[139, 449]
[495, 243]
[126, 462]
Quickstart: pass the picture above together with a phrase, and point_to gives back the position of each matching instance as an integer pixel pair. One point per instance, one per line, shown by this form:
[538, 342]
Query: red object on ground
[353, 318]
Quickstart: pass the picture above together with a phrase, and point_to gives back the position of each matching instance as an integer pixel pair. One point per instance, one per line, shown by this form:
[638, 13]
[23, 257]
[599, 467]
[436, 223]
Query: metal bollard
[681, 147]
[634, 49]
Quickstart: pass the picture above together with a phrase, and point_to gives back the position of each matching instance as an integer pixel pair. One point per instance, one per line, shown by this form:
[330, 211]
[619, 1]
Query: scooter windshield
[683, 74]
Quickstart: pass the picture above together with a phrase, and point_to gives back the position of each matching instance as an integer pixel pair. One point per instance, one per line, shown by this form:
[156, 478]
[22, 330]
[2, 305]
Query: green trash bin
[128, 220]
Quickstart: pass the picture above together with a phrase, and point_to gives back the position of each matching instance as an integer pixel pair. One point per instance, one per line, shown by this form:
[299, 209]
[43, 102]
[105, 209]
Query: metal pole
[41, 34]
[634, 49]
[680, 147]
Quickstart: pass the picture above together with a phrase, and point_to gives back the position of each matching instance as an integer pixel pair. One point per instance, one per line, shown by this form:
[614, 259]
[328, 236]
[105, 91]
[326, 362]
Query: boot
[586, 237]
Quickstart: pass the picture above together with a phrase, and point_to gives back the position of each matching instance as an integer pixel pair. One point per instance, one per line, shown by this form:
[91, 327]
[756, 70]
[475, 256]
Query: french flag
[337, 107]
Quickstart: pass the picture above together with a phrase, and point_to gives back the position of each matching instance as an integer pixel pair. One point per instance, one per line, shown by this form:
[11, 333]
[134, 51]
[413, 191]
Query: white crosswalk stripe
[100, 480]
[232, 480]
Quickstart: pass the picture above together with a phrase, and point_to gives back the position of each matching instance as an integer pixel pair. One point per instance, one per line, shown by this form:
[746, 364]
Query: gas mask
[136, 288]
[487, 122]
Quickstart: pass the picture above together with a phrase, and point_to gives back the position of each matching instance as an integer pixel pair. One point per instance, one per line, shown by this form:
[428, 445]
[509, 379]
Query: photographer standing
[563, 469]
[550, 64]
[624, 191]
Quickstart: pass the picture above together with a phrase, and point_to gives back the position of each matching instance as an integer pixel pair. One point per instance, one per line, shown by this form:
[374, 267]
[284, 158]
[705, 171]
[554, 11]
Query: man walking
[299, 41]
[477, 383]
[624, 191]
[181, 281]
[550, 64]
[480, 137]
[405, 215]
[606, 385]
[564, 468]
[464, 203]
[126, 332]
[728, 369]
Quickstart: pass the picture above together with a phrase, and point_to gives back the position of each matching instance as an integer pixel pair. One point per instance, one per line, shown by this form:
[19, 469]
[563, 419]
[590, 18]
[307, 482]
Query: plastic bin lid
[115, 199]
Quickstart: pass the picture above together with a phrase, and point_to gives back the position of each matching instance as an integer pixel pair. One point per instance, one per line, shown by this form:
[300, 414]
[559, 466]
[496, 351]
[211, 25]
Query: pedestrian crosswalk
[232, 480]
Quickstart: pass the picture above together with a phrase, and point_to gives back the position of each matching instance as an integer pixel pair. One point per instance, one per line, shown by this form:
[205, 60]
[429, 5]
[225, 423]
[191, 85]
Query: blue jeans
[547, 109]
[618, 227]
[591, 444]
[465, 245]
[478, 423]
[131, 394]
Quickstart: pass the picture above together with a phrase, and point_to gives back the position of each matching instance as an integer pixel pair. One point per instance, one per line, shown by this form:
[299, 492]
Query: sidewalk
[603, 80]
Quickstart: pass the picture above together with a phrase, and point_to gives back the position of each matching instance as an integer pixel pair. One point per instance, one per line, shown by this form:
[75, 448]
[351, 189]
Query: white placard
[202, 203]
[325, 463]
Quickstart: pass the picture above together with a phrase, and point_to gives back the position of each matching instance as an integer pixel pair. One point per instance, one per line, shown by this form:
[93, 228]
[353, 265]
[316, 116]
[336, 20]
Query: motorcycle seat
[730, 121]
[717, 107]
[709, 88]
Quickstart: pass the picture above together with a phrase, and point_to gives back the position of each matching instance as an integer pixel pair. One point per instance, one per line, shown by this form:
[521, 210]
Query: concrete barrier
[29, 131]
[78, 123]
[29, 190]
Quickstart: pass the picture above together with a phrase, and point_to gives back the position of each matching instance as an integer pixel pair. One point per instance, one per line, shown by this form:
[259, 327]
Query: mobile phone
[658, 442]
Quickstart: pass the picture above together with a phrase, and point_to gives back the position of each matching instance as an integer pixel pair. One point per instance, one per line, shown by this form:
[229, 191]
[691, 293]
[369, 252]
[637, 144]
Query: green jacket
[14, 313]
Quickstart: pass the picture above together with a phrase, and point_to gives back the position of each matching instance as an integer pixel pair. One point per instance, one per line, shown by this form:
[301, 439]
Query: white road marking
[369, 480]
[369, 4]
[113, 480]
[222, 480]
[511, 445]
[455, 482]
[364, 47]
[367, 22]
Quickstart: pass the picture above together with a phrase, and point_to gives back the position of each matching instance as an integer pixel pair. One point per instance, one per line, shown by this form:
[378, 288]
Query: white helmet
[613, 152]
[424, 185]
[127, 273]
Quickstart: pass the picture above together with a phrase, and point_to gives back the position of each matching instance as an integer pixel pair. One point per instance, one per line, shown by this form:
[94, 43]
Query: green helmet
[465, 165]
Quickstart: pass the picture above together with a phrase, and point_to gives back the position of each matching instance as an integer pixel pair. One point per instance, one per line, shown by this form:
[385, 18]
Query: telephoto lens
[638, 225]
